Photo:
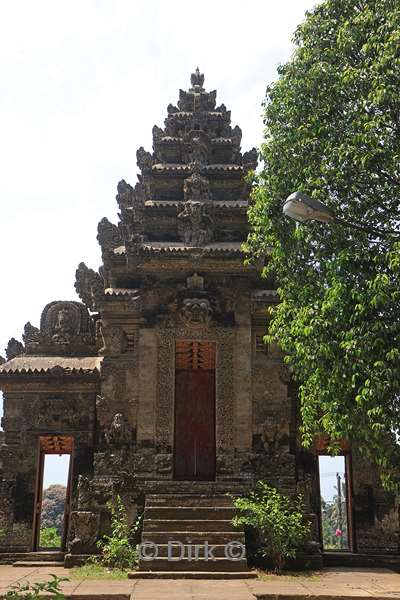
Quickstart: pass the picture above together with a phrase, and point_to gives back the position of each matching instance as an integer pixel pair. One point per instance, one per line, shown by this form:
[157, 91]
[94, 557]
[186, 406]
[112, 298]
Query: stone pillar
[147, 387]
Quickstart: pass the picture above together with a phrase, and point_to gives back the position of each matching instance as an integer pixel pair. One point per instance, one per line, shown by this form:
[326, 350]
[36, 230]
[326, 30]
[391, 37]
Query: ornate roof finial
[197, 79]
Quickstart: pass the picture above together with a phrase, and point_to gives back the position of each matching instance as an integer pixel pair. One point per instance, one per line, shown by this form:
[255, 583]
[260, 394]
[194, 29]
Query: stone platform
[338, 584]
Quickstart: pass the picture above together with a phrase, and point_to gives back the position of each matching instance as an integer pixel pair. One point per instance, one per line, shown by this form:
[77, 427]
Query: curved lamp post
[302, 208]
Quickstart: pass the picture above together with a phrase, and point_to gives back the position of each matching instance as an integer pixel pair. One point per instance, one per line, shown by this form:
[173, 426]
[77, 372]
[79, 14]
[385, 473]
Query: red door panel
[195, 413]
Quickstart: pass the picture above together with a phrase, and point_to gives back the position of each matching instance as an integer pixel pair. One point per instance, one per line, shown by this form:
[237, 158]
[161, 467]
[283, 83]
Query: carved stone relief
[114, 340]
[197, 188]
[119, 433]
[196, 312]
[89, 286]
[195, 224]
[108, 235]
[224, 337]
[85, 528]
[14, 348]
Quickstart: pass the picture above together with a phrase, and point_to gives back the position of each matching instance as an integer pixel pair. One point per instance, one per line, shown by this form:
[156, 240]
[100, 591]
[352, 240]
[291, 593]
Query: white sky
[56, 470]
[82, 84]
[329, 466]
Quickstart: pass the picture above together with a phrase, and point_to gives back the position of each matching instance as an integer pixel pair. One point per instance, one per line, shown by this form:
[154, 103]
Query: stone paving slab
[330, 584]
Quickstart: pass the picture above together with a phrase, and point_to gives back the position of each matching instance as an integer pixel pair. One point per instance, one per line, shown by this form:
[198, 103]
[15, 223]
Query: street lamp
[302, 208]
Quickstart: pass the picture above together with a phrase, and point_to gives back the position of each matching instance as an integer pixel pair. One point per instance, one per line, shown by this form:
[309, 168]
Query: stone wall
[376, 512]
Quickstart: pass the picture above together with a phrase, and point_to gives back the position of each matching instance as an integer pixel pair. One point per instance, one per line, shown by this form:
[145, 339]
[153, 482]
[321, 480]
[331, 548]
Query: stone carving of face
[196, 312]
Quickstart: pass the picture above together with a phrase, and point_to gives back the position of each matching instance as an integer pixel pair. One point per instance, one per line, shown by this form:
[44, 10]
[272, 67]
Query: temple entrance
[194, 448]
[53, 486]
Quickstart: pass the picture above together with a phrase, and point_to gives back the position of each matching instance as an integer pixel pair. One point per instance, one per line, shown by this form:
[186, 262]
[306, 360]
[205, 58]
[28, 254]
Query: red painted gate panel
[195, 411]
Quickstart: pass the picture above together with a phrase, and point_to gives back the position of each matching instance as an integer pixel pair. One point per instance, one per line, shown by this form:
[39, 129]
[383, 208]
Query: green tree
[333, 131]
[53, 505]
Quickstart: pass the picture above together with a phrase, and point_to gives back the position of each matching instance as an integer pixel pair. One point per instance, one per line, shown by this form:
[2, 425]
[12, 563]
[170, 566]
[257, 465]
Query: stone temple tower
[158, 383]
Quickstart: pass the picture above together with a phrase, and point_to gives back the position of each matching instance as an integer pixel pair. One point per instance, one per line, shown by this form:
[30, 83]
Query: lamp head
[301, 207]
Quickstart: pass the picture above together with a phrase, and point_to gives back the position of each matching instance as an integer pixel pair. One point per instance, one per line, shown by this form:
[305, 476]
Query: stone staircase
[42, 558]
[191, 535]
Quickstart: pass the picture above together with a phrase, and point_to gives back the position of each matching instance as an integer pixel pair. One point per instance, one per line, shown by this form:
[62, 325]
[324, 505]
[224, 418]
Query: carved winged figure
[195, 224]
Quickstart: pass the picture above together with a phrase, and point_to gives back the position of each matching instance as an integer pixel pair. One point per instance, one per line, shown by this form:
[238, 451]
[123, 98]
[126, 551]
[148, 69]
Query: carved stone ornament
[61, 321]
[14, 348]
[85, 527]
[89, 286]
[225, 394]
[197, 79]
[195, 282]
[144, 159]
[131, 202]
[236, 136]
[108, 235]
[119, 433]
[195, 224]
[112, 337]
[65, 323]
[84, 492]
[197, 188]
[31, 337]
[124, 196]
[196, 148]
[196, 312]
[158, 133]
[250, 160]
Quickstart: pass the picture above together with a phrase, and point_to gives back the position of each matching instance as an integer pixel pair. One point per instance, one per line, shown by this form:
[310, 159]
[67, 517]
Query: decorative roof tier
[191, 190]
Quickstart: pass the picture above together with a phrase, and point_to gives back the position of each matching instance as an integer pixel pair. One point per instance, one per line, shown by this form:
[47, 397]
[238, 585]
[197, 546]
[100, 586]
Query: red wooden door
[194, 452]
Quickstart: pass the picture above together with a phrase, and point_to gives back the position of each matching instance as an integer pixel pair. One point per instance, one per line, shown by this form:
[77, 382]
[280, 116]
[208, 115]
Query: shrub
[278, 520]
[35, 591]
[118, 550]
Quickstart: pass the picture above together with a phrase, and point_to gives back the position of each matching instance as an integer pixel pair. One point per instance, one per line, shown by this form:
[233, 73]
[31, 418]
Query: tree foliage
[53, 504]
[333, 131]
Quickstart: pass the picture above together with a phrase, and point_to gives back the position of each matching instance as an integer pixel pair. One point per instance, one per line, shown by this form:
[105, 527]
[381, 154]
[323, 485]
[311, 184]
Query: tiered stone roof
[191, 194]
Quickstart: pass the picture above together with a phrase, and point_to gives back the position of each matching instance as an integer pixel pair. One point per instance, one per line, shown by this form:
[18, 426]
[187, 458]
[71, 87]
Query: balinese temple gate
[158, 384]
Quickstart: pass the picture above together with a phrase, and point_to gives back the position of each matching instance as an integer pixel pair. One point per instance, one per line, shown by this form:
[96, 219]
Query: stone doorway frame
[321, 446]
[224, 389]
[47, 445]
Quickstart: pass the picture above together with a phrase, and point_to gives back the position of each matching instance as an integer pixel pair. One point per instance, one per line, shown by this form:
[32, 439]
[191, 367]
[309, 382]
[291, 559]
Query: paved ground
[330, 584]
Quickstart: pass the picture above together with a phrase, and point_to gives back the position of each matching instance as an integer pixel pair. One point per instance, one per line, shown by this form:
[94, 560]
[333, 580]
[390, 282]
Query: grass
[290, 576]
[98, 571]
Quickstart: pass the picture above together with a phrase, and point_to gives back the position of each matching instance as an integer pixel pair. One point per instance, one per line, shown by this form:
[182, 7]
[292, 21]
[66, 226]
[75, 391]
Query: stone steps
[207, 489]
[187, 525]
[193, 537]
[219, 564]
[37, 559]
[201, 513]
[192, 549]
[188, 500]
[192, 575]
[38, 563]
[202, 523]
